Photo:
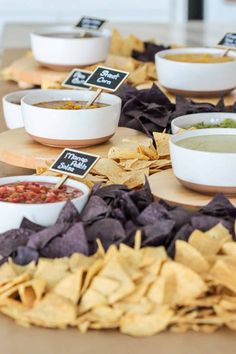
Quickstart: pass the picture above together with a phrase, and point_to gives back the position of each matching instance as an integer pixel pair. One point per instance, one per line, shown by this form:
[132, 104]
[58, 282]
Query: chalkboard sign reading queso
[74, 163]
[106, 78]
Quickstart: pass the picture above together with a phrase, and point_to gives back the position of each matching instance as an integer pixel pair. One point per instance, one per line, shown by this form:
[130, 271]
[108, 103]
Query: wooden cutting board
[18, 149]
[165, 186]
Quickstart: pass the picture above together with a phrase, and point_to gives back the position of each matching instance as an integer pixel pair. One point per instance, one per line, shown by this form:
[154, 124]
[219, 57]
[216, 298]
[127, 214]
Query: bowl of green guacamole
[203, 121]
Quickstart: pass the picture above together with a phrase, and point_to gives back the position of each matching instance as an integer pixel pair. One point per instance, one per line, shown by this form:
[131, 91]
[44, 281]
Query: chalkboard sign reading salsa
[106, 78]
[90, 23]
[77, 78]
[229, 40]
[74, 163]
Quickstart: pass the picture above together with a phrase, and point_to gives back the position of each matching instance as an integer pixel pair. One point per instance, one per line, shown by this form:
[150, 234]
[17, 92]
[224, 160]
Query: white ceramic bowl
[205, 172]
[42, 214]
[68, 53]
[196, 78]
[12, 110]
[70, 128]
[185, 122]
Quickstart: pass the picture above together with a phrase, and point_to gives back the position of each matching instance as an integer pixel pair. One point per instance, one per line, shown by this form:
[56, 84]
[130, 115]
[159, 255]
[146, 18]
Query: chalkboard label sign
[77, 78]
[74, 163]
[106, 78]
[229, 40]
[90, 23]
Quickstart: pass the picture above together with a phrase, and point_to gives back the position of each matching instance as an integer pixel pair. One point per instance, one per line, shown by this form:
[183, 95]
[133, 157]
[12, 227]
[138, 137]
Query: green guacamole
[210, 143]
[226, 123]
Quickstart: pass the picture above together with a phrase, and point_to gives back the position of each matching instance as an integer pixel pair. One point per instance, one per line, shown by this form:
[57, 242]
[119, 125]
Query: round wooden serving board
[165, 186]
[18, 149]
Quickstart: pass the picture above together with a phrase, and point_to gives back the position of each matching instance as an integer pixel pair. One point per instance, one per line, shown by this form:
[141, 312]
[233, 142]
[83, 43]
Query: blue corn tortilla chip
[25, 255]
[74, 240]
[152, 213]
[27, 224]
[156, 234]
[206, 222]
[183, 234]
[40, 239]
[68, 214]
[109, 231]
[142, 197]
[109, 193]
[11, 240]
[150, 49]
[95, 209]
[219, 206]
[150, 110]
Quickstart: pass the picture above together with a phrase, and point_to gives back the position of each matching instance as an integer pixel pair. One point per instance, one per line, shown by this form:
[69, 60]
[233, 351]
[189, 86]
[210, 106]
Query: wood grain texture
[165, 186]
[18, 149]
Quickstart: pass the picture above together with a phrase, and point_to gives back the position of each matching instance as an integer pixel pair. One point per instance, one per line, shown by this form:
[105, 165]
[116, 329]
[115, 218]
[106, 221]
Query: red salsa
[36, 193]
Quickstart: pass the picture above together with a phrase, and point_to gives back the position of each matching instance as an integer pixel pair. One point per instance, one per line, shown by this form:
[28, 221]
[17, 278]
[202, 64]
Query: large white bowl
[12, 110]
[70, 128]
[196, 78]
[185, 122]
[205, 172]
[68, 53]
[42, 214]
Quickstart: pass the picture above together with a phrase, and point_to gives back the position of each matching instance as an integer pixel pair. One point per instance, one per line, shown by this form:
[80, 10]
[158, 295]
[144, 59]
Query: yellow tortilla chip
[31, 291]
[52, 311]
[229, 248]
[117, 153]
[150, 152]
[52, 270]
[7, 273]
[146, 325]
[91, 298]
[130, 43]
[162, 143]
[116, 42]
[190, 257]
[70, 286]
[138, 76]
[224, 273]
[188, 284]
[210, 242]
[106, 167]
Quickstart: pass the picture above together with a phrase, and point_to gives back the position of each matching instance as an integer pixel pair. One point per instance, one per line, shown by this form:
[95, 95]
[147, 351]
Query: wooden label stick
[93, 98]
[61, 182]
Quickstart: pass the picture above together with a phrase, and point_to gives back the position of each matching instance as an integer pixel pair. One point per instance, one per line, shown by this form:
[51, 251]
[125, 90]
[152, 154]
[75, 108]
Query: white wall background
[115, 10]
[70, 11]
[220, 11]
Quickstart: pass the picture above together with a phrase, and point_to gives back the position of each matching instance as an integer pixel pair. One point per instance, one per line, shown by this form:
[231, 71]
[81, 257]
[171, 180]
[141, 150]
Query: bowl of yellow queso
[196, 71]
[204, 160]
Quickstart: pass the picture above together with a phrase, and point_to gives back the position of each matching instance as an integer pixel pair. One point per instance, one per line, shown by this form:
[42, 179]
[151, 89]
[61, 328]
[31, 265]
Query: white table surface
[192, 33]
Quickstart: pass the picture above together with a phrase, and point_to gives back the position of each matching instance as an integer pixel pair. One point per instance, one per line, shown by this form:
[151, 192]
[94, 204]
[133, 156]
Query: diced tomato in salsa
[36, 193]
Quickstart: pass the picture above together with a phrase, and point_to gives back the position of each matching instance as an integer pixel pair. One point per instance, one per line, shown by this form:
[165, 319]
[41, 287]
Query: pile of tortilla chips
[139, 291]
[129, 164]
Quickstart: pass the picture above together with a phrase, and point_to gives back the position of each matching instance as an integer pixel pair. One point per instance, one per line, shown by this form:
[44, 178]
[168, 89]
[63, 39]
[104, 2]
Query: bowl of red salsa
[37, 199]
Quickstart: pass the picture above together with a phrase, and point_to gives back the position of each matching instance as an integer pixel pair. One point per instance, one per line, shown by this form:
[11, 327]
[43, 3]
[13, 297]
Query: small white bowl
[204, 172]
[42, 214]
[70, 128]
[196, 79]
[187, 121]
[12, 109]
[68, 53]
